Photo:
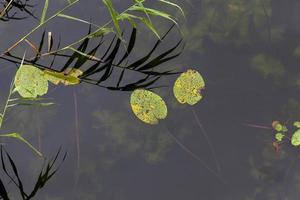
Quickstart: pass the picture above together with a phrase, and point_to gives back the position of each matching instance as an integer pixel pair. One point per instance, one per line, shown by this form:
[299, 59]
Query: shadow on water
[248, 53]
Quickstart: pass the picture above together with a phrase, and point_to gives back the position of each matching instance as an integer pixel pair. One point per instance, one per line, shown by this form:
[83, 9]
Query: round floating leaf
[30, 82]
[295, 140]
[279, 137]
[148, 106]
[188, 86]
[297, 124]
[279, 127]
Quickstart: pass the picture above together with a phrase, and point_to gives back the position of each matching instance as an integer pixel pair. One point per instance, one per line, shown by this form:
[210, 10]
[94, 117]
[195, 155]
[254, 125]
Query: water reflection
[247, 52]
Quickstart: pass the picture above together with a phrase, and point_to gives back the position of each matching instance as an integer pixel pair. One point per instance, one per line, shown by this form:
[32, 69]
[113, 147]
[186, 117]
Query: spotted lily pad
[295, 140]
[30, 82]
[148, 106]
[69, 77]
[188, 86]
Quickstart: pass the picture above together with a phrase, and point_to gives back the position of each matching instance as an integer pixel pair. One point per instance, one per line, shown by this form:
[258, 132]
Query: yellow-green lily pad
[279, 137]
[148, 106]
[30, 82]
[295, 140]
[297, 124]
[188, 86]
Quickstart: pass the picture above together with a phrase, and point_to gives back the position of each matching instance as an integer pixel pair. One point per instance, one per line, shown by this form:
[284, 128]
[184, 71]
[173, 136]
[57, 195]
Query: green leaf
[69, 78]
[20, 138]
[148, 106]
[297, 124]
[114, 16]
[188, 86]
[1, 119]
[173, 4]
[279, 136]
[30, 82]
[150, 26]
[71, 1]
[101, 32]
[76, 19]
[130, 18]
[30, 104]
[295, 140]
[44, 13]
[279, 127]
[153, 12]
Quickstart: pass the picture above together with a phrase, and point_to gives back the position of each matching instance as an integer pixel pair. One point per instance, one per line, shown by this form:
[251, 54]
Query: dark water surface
[245, 50]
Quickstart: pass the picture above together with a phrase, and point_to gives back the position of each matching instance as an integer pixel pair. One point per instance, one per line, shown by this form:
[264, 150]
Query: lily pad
[69, 77]
[279, 137]
[188, 86]
[297, 124]
[148, 106]
[279, 127]
[295, 140]
[30, 82]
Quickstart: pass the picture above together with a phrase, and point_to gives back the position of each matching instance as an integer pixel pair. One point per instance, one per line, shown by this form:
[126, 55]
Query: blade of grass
[37, 27]
[19, 137]
[114, 16]
[44, 13]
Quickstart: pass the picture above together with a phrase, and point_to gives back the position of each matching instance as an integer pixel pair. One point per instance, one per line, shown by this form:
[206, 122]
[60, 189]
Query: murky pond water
[248, 53]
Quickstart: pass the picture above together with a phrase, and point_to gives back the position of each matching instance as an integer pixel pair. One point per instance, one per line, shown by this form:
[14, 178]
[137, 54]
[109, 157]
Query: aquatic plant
[282, 133]
[10, 169]
[33, 75]
[16, 10]
[149, 107]
[29, 82]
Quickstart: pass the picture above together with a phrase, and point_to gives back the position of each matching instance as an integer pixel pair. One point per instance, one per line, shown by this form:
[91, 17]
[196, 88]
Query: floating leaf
[297, 124]
[295, 140]
[148, 106]
[188, 86]
[279, 127]
[279, 137]
[69, 77]
[30, 82]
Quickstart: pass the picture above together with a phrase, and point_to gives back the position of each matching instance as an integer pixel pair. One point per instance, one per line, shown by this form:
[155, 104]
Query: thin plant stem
[6, 8]
[202, 162]
[77, 137]
[39, 26]
[205, 135]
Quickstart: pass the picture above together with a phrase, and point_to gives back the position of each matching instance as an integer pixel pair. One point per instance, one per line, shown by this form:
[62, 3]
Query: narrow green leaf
[44, 13]
[76, 19]
[153, 12]
[19, 137]
[173, 4]
[114, 16]
[100, 32]
[151, 27]
[30, 104]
